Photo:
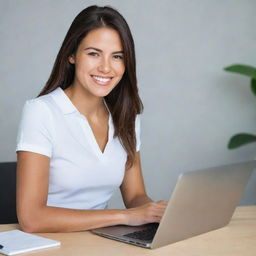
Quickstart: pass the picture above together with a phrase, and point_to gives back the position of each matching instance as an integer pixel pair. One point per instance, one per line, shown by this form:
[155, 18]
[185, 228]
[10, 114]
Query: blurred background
[192, 106]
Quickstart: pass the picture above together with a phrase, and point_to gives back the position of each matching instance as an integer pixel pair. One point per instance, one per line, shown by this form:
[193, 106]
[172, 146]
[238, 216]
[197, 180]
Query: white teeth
[101, 79]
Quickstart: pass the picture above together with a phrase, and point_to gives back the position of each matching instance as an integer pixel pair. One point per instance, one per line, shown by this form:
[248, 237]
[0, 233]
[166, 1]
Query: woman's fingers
[164, 203]
[150, 212]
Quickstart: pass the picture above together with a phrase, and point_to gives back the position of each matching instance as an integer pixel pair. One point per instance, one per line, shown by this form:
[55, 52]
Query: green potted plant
[241, 139]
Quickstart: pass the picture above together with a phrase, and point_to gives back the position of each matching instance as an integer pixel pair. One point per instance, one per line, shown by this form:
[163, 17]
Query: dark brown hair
[123, 101]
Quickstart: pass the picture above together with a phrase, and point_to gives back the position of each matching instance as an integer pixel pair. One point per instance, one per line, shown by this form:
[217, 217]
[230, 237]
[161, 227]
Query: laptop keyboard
[145, 234]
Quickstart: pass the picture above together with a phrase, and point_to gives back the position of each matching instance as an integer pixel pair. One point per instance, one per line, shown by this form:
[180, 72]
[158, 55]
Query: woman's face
[99, 63]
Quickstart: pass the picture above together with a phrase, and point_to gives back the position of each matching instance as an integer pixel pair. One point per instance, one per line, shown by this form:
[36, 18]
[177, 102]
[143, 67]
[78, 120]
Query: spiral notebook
[15, 241]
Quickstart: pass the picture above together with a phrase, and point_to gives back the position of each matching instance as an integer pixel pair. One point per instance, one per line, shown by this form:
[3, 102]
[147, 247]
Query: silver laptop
[202, 201]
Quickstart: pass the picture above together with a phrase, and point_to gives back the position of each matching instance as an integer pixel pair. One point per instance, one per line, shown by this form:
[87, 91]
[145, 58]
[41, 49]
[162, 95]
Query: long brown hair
[123, 101]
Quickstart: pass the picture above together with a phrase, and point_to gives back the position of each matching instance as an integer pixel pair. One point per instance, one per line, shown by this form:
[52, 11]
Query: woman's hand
[147, 213]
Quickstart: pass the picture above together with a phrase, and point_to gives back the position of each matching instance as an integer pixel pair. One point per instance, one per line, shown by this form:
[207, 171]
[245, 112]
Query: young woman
[79, 140]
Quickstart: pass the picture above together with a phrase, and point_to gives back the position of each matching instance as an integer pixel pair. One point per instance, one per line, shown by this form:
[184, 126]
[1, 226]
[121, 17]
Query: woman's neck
[86, 103]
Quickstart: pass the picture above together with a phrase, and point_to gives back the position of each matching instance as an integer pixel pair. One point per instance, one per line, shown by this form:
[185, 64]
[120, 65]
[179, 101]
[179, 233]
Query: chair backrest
[8, 193]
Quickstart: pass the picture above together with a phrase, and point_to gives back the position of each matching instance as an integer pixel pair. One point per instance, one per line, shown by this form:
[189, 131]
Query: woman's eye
[93, 54]
[118, 57]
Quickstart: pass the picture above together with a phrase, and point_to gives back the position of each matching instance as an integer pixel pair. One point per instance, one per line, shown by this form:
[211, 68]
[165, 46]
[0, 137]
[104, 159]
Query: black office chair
[8, 193]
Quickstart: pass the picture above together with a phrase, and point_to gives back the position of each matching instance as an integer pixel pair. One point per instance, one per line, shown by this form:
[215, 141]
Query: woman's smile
[101, 80]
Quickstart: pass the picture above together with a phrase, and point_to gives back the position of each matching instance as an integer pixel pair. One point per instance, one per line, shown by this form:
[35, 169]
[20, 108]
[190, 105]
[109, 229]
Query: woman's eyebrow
[118, 52]
[93, 48]
[99, 50]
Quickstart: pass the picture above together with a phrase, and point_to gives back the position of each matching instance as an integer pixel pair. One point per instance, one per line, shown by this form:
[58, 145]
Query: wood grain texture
[236, 239]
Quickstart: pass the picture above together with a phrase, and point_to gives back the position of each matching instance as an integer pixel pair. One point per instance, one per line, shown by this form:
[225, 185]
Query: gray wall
[192, 106]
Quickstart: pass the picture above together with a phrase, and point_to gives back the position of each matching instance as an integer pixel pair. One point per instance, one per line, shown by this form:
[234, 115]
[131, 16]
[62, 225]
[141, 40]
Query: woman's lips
[101, 80]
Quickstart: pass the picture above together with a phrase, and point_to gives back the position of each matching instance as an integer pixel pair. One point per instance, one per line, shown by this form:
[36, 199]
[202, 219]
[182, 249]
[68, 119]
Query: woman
[79, 140]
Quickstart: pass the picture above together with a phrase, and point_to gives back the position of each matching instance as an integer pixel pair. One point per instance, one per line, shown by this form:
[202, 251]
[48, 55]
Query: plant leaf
[253, 86]
[241, 139]
[242, 69]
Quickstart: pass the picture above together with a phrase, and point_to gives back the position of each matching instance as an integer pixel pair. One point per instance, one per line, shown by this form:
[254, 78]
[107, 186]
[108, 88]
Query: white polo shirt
[80, 176]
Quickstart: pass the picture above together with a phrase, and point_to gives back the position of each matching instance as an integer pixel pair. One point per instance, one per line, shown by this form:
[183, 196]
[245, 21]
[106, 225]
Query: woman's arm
[133, 188]
[141, 208]
[33, 213]
[35, 216]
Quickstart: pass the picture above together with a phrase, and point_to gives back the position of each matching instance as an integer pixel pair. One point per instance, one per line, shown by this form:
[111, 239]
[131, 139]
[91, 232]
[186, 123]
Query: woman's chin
[101, 93]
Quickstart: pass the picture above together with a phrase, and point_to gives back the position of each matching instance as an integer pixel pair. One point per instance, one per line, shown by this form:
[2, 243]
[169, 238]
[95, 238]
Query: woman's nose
[104, 66]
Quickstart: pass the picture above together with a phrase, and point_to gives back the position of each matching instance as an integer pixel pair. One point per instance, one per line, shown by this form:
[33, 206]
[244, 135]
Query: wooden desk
[236, 239]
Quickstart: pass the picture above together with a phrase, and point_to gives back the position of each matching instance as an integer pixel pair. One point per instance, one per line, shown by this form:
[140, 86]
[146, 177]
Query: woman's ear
[71, 59]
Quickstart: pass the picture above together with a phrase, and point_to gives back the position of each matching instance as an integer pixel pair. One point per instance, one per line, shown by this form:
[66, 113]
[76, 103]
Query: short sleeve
[137, 132]
[34, 134]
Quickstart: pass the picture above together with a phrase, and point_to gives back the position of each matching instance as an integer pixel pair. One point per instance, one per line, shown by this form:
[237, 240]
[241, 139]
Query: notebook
[15, 241]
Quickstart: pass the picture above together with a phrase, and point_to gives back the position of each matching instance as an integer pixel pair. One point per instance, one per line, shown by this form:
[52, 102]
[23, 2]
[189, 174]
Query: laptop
[202, 201]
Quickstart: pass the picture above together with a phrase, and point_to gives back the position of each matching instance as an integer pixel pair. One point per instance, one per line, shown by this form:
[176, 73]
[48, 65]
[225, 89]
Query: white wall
[192, 106]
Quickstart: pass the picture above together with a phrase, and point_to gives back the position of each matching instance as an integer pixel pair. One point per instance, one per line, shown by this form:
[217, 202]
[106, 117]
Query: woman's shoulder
[36, 129]
[40, 106]
[42, 103]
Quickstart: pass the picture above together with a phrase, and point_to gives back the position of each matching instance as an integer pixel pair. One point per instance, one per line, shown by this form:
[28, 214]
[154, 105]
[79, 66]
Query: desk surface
[236, 239]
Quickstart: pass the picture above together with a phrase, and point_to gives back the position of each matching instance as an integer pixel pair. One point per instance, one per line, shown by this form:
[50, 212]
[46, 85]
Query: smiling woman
[79, 139]
[99, 62]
